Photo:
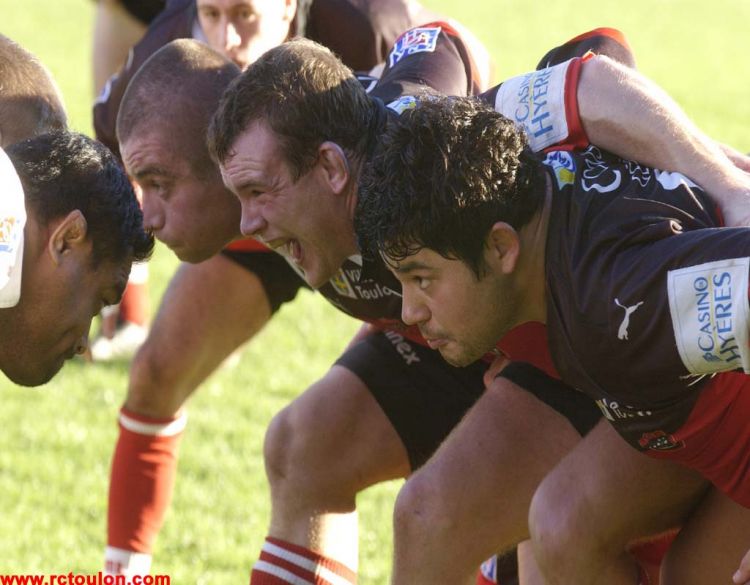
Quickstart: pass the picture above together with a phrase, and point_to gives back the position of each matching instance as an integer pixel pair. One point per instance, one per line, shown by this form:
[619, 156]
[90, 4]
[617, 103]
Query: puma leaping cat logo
[622, 333]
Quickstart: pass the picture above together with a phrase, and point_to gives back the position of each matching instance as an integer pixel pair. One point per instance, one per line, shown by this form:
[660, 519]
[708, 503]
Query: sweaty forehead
[255, 155]
[153, 152]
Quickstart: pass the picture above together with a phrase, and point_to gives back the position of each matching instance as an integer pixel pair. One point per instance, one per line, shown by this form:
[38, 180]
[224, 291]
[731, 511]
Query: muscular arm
[625, 113]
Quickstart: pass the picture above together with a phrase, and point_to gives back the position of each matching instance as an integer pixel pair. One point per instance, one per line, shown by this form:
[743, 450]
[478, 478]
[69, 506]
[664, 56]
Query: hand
[742, 576]
[495, 368]
[736, 213]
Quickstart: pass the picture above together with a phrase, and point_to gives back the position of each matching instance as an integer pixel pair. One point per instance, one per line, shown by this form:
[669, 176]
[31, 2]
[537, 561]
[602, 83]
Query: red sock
[134, 303]
[142, 480]
[283, 563]
[649, 553]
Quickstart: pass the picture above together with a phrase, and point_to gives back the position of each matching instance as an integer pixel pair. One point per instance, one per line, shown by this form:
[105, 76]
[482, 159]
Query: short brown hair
[306, 95]
[177, 90]
[30, 101]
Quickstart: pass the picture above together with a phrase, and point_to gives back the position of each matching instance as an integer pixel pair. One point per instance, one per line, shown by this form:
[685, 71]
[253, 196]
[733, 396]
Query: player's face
[459, 315]
[58, 301]
[303, 220]
[245, 29]
[194, 216]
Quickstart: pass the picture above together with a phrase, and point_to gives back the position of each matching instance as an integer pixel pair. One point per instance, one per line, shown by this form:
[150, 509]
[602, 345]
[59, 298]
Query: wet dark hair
[306, 95]
[64, 171]
[441, 177]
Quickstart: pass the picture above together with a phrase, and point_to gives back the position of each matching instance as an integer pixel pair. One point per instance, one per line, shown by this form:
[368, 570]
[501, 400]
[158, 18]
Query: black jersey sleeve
[174, 22]
[600, 41]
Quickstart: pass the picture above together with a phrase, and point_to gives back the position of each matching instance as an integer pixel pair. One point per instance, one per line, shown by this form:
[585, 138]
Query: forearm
[625, 113]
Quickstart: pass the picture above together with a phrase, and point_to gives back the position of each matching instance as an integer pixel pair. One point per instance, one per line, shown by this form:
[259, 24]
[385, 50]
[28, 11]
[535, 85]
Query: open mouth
[290, 249]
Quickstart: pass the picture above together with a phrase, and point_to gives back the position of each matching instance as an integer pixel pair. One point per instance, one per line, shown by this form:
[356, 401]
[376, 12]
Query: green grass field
[56, 441]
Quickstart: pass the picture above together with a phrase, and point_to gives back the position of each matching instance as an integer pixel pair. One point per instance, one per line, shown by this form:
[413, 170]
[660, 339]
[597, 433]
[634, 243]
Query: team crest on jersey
[710, 315]
[8, 237]
[407, 102]
[564, 166]
[416, 40]
[659, 441]
[341, 285]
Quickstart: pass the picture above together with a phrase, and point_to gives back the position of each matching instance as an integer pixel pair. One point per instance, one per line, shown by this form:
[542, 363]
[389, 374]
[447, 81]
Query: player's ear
[290, 9]
[335, 165]
[502, 248]
[67, 236]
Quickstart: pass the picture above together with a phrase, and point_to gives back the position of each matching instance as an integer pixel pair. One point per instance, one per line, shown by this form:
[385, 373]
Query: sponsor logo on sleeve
[709, 309]
[341, 285]
[536, 101]
[416, 40]
[400, 105]
[564, 166]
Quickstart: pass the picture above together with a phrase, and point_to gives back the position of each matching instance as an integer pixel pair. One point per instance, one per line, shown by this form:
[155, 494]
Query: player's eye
[246, 13]
[210, 14]
[421, 282]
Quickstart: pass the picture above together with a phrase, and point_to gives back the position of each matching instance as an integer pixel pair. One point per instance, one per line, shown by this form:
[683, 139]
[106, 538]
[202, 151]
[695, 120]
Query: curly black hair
[441, 177]
[64, 171]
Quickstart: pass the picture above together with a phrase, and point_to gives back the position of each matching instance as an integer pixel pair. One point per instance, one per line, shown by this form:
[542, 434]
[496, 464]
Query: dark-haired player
[294, 166]
[70, 227]
[642, 297]
[242, 287]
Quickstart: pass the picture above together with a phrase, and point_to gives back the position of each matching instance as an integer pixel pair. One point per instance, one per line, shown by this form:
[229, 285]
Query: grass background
[56, 441]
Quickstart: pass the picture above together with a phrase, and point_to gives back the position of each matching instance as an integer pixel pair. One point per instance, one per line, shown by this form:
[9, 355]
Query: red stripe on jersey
[715, 440]
[247, 245]
[604, 31]
[528, 343]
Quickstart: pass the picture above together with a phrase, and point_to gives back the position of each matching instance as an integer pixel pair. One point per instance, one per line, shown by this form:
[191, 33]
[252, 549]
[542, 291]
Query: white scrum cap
[12, 222]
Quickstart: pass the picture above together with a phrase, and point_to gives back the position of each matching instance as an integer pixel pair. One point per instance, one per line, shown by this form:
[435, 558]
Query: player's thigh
[710, 545]
[208, 310]
[486, 471]
[382, 410]
[333, 439]
[606, 492]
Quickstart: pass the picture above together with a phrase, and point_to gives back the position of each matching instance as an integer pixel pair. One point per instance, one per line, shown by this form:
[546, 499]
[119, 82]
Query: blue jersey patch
[416, 40]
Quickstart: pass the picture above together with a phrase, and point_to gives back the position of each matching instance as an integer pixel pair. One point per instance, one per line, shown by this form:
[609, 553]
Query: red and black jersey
[433, 59]
[427, 59]
[358, 31]
[645, 295]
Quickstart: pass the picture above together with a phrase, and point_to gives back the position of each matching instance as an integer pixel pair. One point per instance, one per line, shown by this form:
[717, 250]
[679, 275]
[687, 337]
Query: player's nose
[252, 223]
[413, 311]
[154, 217]
[230, 36]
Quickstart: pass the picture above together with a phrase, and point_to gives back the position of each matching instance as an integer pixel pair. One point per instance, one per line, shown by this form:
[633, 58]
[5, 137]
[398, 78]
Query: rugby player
[118, 25]
[70, 226]
[294, 166]
[30, 103]
[186, 229]
[239, 289]
[642, 298]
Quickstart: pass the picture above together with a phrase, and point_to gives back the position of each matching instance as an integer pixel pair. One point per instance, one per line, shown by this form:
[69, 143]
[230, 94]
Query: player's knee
[153, 387]
[277, 445]
[553, 527]
[423, 507]
[291, 447]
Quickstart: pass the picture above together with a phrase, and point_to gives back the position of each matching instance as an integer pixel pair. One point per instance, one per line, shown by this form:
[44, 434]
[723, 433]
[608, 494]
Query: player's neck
[533, 245]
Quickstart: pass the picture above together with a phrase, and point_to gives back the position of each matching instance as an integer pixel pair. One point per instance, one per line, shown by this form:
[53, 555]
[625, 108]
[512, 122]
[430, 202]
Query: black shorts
[421, 394]
[577, 407]
[425, 398]
[279, 280]
[144, 10]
